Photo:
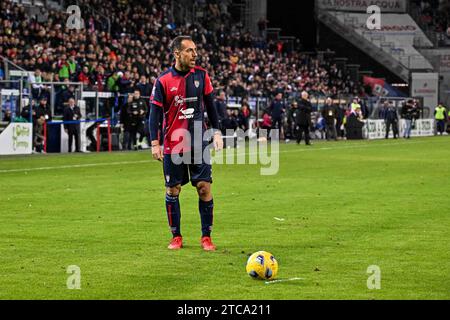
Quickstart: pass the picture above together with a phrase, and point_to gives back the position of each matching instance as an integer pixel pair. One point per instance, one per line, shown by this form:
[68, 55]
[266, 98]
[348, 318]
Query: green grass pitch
[346, 206]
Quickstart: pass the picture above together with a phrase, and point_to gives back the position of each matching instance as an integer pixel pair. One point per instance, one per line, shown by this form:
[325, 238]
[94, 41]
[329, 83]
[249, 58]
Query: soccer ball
[262, 265]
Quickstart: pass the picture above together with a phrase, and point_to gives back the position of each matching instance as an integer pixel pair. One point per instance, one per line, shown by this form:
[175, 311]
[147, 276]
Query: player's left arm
[212, 113]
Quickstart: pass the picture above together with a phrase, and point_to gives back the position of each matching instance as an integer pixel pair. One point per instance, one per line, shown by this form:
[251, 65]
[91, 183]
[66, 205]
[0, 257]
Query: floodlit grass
[346, 205]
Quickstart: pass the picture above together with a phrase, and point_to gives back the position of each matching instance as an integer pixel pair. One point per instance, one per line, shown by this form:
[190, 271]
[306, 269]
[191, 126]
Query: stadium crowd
[435, 14]
[136, 46]
[132, 49]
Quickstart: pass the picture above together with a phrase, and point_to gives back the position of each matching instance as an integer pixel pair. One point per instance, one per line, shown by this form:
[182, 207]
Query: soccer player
[182, 93]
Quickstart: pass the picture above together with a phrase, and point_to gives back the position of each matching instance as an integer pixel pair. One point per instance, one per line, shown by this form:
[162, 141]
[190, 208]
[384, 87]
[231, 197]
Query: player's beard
[188, 64]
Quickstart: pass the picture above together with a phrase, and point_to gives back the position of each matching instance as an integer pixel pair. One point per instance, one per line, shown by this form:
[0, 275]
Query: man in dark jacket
[125, 126]
[145, 88]
[329, 113]
[221, 108]
[407, 114]
[340, 116]
[391, 119]
[291, 132]
[44, 110]
[354, 124]
[136, 110]
[72, 113]
[26, 112]
[276, 112]
[303, 119]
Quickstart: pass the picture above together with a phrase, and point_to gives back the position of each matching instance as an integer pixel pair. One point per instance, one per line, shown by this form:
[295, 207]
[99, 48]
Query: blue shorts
[176, 173]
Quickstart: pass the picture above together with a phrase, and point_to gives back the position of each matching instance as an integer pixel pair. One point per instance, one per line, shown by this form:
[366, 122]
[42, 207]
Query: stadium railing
[10, 97]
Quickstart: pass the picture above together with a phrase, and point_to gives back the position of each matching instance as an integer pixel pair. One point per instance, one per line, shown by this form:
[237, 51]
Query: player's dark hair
[176, 43]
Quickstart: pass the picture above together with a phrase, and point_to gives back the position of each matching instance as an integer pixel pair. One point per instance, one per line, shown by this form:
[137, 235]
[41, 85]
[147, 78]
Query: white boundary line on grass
[312, 148]
[283, 280]
[87, 165]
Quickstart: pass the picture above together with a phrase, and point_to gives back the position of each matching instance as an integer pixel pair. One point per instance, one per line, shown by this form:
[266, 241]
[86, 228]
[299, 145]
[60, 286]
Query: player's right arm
[156, 110]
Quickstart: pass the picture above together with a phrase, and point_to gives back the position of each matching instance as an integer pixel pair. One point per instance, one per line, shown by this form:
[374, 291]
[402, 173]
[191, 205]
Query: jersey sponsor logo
[186, 114]
[179, 100]
[173, 89]
[192, 99]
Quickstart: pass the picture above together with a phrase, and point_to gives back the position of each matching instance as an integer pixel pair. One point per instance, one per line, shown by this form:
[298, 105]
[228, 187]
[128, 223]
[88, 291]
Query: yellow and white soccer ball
[262, 265]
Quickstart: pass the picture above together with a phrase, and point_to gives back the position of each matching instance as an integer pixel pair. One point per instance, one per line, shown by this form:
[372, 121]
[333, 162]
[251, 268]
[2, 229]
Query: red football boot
[207, 244]
[176, 243]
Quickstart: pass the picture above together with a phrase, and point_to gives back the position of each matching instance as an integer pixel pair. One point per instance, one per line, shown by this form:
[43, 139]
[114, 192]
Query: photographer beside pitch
[182, 93]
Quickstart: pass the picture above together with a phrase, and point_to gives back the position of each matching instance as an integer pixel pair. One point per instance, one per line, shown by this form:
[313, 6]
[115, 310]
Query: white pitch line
[278, 219]
[283, 280]
[345, 147]
[86, 165]
[247, 153]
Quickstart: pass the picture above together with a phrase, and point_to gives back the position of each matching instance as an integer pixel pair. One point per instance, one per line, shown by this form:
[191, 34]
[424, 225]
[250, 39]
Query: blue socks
[206, 210]
[173, 214]
[206, 215]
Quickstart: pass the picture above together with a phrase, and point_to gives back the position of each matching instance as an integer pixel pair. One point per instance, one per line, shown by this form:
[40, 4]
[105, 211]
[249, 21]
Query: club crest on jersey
[197, 83]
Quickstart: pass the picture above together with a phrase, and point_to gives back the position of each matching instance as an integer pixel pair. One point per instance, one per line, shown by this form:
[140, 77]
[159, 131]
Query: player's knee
[173, 191]
[204, 190]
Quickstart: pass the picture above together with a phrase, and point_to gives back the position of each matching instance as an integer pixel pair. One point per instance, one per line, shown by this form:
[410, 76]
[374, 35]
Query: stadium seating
[434, 18]
[135, 41]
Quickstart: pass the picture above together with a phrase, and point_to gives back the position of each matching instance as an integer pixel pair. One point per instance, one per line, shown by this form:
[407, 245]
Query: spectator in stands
[139, 34]
[25, 113]
[237, 90]
[262, 27]
[266, 123]
[7, 116]
[85, 78]
[231, 121]
[145, 88]
[99, 79]
[43, 109]
[67, 93]
[35, 79]
[244, 116]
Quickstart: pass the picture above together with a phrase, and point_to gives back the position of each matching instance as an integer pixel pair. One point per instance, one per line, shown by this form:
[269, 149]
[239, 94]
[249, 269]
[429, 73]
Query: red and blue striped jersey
[181, 96]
